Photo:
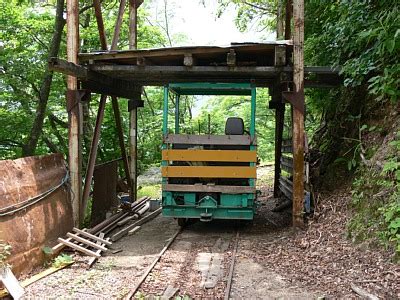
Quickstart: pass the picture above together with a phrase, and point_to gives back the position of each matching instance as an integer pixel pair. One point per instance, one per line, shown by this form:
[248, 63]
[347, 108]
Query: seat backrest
[234, 126]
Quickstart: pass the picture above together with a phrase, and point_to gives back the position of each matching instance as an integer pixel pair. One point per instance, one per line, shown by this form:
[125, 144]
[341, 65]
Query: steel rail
[150, 268]
[231, 269]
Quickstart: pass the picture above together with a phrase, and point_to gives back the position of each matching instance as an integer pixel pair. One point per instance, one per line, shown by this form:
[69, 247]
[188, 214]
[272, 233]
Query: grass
[153, 191]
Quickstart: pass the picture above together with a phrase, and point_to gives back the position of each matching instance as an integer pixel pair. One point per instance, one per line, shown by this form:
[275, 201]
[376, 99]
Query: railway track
[228, 278]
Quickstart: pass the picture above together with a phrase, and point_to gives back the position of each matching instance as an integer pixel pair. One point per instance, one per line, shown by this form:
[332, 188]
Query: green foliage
[260, 13]
[376, 199]
[5, 251]
[47, 250]
[391, 213]
[361, 37]
[62, 260]
[26, 29]
[153, 191]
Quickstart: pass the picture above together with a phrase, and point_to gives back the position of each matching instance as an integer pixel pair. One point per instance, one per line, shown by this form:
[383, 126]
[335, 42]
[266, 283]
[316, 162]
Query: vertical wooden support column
[279, 106]
[298, 114]
[133, 113]
[279, 122]
[280, 20]
[74, 117]
[177, 102]
[288, 18]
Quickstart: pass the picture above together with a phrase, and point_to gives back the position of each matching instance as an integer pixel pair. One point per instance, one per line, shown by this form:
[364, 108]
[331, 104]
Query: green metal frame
[232, 206]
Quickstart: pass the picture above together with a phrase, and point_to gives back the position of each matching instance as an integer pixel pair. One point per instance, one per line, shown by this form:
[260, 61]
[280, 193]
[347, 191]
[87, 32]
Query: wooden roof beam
[94, 81]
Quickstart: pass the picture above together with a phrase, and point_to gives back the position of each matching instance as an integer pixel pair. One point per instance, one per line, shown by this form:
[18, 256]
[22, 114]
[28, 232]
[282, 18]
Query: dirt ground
[273, 260]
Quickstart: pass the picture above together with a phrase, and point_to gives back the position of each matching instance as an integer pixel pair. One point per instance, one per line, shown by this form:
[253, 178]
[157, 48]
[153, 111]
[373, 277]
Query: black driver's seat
[234, 126]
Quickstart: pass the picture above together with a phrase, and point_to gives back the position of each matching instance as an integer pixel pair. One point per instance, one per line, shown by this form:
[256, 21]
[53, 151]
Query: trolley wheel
[182, 222]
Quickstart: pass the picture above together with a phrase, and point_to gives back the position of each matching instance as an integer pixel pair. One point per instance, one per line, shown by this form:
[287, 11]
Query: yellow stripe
[209, 172]
[210, 155]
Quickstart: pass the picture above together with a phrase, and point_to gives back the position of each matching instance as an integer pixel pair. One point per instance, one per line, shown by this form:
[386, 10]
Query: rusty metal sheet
[104, 191]
[40, 224]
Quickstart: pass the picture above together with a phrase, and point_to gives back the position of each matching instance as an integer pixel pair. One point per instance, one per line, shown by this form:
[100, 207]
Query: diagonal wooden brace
[294, 100]
[74, 97]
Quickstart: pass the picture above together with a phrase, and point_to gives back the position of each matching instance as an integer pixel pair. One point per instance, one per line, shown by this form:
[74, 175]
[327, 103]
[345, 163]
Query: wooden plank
[287, 169]
[93, 237]
[11, 283]
[169, 292]
[127, 219]
[209, 155]
[285, 188]
[287, 149]
[93, 259]
[104, 195]
[37, 277]
[209, 172]
[86, 242]
[125, 230]
[57, 248]
[288, 160]
[180, 51]
[287, 164]
[227, 189]
[287, 182]
[260, 76]
[192, 139]
[77, 247]
[132, 231]
[287, 142]
[95, 81]
[68, 68]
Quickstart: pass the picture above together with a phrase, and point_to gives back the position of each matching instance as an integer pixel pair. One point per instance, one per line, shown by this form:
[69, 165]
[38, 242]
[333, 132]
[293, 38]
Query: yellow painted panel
[210, 155]
[209, 172]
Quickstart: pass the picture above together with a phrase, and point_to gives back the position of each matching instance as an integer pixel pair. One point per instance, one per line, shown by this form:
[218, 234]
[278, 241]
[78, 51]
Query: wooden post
[100, 24]
[115, 105]
[74, 117]
[280, 107]
[118, 23]
[177, 100]
[93, 153]
[133, 113]
[279, 122]
[121, 139]
[298, 114]
[279, 20]
[288, 15]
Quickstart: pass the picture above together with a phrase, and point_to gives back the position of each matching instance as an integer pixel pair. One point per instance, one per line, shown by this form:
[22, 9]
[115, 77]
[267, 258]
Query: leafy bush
[376, 200]
[362, 37]
[62, 260]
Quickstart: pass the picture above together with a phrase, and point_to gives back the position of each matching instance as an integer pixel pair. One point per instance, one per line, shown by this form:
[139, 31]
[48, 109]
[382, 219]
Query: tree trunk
[30, 146]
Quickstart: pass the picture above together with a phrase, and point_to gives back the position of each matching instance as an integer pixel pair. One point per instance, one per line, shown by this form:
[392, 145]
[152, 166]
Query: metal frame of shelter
[278, 65]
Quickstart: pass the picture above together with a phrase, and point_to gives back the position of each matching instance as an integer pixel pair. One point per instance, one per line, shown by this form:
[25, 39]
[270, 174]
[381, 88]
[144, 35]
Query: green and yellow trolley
[209, 176]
